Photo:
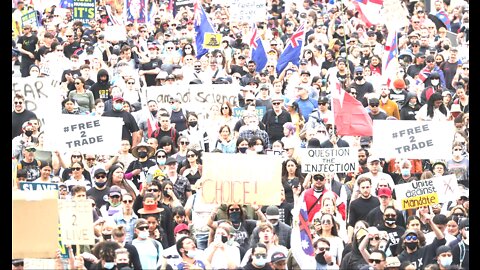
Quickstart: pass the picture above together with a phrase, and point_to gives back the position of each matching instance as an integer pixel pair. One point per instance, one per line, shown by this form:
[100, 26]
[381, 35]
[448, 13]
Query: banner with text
[413, 139]
[241, 179]
[37, 186]
[43, 96]
[83, 10]
[260, 110]
[88, 134]
[76, 222]
[30, 18]
[35, 264]
[196, 98]
[250, 11]
[426, 192]
[328, 160]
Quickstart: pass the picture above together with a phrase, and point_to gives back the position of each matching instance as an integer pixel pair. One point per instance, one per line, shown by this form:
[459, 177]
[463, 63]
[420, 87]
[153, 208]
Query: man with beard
[361, 85]
[252, 73]
[389, 106]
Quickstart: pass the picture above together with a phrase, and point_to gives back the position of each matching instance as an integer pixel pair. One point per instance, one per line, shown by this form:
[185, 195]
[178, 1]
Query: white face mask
[258, 148]
[435, 82]
[143, 234]
[178, 236]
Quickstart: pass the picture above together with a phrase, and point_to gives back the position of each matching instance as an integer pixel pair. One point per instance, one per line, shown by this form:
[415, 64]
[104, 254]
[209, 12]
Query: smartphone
[295, 182]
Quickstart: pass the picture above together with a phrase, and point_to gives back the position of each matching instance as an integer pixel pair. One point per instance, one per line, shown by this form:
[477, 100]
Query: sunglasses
[258, 256]
[318, 177]
[197, 66]
[234, 209]
[100, 176]
[76, 156]
[18, 102]
[184, 143]
[191, 155]
[327, 222]
[161, 156]
[391, 215]
[376, 238]
[76, 168]
[142, 228]
[68, 35]
[130, 83]
[153, 190]
[377, 261]
[128, 201]
[322, 249]
[32, 150]
[374, 104]
[323, 104]
[115, 196]
[411, 238]
[276, 103]
[353, 93]
[90, 159]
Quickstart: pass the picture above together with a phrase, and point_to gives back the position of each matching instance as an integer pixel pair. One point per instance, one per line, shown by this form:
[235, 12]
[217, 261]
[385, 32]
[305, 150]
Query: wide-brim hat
[150, 150]
[149, 209]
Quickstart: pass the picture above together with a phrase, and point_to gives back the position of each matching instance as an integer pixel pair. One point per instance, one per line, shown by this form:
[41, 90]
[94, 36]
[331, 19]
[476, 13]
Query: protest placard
[35, 264]
[43, 96]
[37, 186]
[76, 222]
[248, 11]
[197, 98]
[30, 18]
[241, 179]
[35, 224]
[260, 110]
[96, 135]
[413, 139]
[328, 160]
[83, 10]
[136, 9]
[426, 192]
[212, 41]
[181, 5]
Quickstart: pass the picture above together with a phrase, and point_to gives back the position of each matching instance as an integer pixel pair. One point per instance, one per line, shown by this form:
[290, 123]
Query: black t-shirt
[67, 173]
[394, 238]
[274, 124]
[375, 217]
[18, 119]
[238, 69]
[32, 168]
[28, 44]
[150, 78]
[362, 89]
[99, 196]
[179, 119]
[71, 48]
[423, 255]
[129, 124]
[143, 166]
[360, 207]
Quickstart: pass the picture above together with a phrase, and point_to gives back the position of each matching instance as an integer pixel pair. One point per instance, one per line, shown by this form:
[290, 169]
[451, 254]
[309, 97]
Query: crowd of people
[146, 199]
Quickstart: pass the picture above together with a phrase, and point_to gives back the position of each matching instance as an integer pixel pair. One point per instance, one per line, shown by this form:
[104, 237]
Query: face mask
[109, 265]
[143, 234]
[359, 78]
[191, 253]
[242, 149]
[118, 106]
[142, 154]
[235, 217]
[411, 245]
[154, 112]
[121, 265]
[165, 193]
[193, 123]
[320, 258]
[390, 221]
[178, 236]
[115, 204]
[405, 172]
[412, 104]
[435, 82]
[258, 148]
[260, 262]
[161, 161]
[28, 133]
[446, 47]
[100, 184]
[174, 108]
[445, 261]
[224, 238]
[106, 236]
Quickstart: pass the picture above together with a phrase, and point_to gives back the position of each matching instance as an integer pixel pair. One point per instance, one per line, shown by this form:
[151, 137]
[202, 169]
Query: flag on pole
[292, 50]
[390, 58]
[369, 11]
[258, 53]
[301, 238]
[350, 117]
[202, 26]
[443, 16]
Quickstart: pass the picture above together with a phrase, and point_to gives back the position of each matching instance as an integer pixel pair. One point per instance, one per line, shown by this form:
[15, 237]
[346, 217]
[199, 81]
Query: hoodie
[408, 112]
[101, 89]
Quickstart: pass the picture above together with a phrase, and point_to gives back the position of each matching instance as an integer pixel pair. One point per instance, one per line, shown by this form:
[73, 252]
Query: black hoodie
[101, 89]
[407, 112]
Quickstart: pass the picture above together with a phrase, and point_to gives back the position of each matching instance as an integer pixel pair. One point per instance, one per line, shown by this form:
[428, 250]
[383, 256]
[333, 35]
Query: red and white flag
[351, 118]
[369, 11]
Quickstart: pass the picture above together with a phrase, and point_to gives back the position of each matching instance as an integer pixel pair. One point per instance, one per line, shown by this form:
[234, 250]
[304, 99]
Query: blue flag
[257, 50]
[202, 26]
[292, 50]
[443, 16]
[66, 3]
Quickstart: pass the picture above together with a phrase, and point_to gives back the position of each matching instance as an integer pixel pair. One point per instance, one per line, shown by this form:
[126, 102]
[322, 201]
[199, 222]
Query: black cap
[99, 171]
[322, 99]
[305, 72]
[442, 249]
[373, 101]
[419, 54]
[170, 160]
[464, 222]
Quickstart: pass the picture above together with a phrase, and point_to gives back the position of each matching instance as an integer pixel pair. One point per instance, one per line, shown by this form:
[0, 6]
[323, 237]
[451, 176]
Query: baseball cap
[170, 160]
[115, 98]
[384, 191]
[410, 231]
[358, 69]
[277, 98]
[115, 190]
[373, 158]
[272, 212]
[277, 256]
[180, 227]
[99, 171]
[322, 99]
[304, 62]
[305, 72]
[442, 249]
[399, 84]
[420, 54]
[264, 86]
[464, 222]
[373, 101]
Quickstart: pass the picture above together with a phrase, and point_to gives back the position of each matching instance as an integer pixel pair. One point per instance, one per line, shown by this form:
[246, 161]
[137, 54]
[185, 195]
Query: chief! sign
[426, 192]
[328, 160]
[413, 139]
[241, 179]
[86, 133]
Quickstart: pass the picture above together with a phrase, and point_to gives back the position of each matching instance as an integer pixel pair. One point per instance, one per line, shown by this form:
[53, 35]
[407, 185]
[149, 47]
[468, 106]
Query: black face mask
[28, 133]
[224, 239]
[411, 245]
[193, 123]
[142, 154]
[359, 78]
[320, 258]
[165, 193]
[154, 112]
[121, 265]
[106, 236]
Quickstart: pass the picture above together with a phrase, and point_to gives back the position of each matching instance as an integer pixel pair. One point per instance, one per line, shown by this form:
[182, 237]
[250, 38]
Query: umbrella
[437, 20]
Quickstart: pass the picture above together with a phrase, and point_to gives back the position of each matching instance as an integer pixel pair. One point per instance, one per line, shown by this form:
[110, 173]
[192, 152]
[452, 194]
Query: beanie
[399, 84]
